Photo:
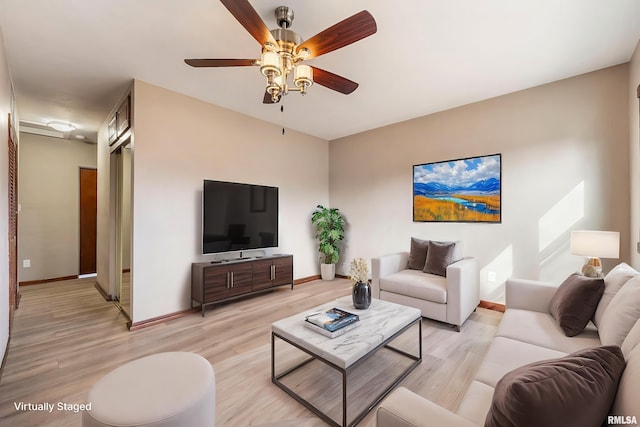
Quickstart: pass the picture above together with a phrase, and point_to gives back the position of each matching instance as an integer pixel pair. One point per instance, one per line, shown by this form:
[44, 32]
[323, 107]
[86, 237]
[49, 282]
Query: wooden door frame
[12, 202]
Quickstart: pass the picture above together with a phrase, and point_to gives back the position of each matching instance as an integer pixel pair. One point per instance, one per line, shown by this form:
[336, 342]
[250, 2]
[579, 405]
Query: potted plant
[329, 225]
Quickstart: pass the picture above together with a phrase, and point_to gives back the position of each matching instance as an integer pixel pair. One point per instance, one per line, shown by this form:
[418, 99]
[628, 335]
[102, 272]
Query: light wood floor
[66, 337]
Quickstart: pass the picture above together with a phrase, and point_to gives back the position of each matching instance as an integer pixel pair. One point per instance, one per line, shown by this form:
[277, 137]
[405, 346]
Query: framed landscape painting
[462, 190]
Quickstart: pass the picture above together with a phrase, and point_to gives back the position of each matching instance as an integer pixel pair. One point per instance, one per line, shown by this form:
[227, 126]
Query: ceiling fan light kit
[283, 50]
[278, 61]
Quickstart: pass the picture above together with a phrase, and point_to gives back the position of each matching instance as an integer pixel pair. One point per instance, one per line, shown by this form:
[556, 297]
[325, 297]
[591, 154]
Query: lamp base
[592, 268]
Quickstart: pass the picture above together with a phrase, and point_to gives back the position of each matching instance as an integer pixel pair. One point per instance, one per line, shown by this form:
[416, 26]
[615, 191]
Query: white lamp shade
[270, 63]
[601, 244]
[303, 73]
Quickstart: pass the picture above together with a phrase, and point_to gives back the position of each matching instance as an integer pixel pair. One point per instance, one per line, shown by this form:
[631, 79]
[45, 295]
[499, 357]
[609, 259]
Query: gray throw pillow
[575, 301]
[439, 256]
[418, 253]
[574, 391]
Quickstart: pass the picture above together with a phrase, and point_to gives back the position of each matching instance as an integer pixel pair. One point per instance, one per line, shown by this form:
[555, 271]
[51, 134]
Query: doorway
[88, 220]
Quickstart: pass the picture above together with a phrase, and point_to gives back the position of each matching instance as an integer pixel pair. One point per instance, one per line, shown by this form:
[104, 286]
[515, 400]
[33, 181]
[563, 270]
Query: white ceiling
[71, 60]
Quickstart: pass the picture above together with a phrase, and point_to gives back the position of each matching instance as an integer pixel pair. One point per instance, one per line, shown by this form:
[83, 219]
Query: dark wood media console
[219, 281]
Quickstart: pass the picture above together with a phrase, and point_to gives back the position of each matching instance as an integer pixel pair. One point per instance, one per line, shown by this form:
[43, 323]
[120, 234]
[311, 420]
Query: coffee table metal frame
[345, 373]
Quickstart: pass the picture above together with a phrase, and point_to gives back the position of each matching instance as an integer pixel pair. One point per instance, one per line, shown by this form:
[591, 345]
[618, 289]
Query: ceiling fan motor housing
[284, 16]
[286, 37]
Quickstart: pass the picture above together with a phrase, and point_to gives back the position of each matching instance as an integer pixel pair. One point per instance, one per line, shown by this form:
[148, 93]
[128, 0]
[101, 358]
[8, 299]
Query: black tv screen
[238, 216]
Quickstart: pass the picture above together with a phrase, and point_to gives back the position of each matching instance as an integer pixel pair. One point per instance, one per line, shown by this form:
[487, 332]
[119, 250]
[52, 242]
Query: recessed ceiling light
[61, 126]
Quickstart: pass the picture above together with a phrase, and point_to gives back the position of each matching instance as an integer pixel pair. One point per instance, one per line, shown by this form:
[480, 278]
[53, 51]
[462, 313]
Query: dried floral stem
[359, 270]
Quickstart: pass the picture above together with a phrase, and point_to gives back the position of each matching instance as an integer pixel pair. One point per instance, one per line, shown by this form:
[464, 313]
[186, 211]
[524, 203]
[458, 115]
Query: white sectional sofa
[529, 333]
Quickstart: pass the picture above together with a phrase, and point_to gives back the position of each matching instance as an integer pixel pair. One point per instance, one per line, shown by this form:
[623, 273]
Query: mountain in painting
[423, 188]
[491, 185]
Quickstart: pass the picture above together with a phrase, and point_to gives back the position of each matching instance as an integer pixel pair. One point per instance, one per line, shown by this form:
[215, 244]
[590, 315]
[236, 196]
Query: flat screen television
[238, 217]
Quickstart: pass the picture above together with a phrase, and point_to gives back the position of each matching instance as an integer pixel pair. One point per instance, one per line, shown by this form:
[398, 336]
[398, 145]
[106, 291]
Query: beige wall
[179, 142]
[564, 166]
[634, 153]
[5, 107]
[49, 195]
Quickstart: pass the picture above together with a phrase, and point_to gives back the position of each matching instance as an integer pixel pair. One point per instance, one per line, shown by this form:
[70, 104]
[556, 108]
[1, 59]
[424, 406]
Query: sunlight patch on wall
[494, 274]
[561, 217]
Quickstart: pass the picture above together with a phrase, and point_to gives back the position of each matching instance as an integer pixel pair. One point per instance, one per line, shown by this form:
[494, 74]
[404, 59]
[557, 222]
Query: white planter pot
[328, 271]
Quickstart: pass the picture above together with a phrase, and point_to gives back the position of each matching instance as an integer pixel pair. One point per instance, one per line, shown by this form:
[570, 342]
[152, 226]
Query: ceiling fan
[284, 51]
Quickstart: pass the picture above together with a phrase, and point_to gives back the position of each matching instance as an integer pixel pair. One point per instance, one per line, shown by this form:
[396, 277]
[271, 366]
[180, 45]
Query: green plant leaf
[329, 224]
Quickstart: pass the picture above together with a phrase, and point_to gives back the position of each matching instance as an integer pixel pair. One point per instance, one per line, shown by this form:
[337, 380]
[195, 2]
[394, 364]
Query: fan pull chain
[282, 111]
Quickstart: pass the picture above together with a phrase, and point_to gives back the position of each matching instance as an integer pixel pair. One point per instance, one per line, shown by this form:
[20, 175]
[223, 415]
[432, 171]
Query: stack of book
[332, 323]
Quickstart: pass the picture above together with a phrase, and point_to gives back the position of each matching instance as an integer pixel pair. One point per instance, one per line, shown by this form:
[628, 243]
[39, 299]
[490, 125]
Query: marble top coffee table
[380, 324]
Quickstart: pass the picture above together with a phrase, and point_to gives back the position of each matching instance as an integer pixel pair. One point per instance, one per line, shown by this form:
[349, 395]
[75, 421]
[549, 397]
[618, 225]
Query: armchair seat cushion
[416, 284]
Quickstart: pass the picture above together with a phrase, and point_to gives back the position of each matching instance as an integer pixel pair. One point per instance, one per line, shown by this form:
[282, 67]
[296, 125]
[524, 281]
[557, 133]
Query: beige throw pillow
[613, 281]
[621, 314]
[632, 340]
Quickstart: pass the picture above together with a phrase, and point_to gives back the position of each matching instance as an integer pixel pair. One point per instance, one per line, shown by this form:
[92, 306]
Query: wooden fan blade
[250, 20]
[343, 33]
[268, 99]
[333, 81]
[220, 62]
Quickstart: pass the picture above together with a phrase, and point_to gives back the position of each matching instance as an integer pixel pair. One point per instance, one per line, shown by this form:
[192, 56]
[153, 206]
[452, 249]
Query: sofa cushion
[541, 329]
[404, 408]
[476, 402]
[575, 390]
[417, 254]
[416, 284]
[506, 354]
[575, 302]
[621, 314]
[632, 339]
[628, 396]
[613, 281]
[439, 256]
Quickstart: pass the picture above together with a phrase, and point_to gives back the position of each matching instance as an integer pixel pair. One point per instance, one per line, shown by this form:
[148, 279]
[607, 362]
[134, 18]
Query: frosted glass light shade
[601, 244]
[61, 126]
[303, 75]
[270, 64]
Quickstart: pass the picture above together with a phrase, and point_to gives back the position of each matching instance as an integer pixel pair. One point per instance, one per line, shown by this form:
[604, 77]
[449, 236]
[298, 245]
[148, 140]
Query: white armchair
[449, 299]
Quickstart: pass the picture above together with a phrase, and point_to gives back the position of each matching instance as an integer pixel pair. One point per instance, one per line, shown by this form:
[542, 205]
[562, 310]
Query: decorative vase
[361, 295]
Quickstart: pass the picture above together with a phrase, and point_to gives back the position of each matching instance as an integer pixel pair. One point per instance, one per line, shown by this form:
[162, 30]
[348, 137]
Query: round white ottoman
[175, 389]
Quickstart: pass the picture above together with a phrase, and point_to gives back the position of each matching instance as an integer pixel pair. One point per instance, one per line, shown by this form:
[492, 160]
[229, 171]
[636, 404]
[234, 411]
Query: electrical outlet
[491, 276]
[26, 263]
